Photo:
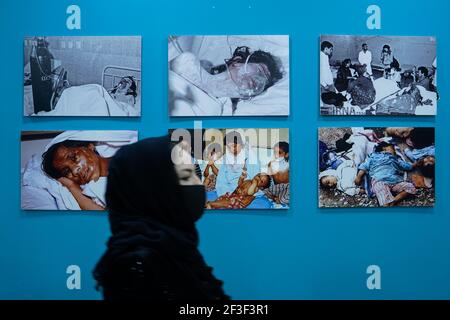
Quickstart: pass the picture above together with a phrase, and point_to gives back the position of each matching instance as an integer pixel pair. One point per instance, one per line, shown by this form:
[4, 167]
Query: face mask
[249, 80]
[194, 198]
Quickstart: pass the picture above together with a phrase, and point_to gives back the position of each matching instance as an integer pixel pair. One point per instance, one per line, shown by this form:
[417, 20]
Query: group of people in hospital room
[354, 81]
[236, 179]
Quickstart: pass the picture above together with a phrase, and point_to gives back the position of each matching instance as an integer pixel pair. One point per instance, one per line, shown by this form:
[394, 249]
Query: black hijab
[147, 209]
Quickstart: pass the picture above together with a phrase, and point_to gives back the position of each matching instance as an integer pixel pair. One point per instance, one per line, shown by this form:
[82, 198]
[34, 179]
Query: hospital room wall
[418, 51]
[85, 57]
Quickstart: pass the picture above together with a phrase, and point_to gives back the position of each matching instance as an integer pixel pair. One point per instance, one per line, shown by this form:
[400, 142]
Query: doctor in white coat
[365, 58]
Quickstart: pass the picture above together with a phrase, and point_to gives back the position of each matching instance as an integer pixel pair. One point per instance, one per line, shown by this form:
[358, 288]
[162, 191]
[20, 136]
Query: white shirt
[326, 76]
[366, 58]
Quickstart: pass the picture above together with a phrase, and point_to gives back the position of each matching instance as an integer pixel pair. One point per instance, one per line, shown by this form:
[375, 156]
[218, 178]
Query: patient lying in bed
[90, 100]
[244, 193]
[76, 164]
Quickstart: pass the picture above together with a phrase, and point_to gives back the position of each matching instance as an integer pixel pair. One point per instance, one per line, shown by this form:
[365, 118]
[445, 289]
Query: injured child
[76, 165]
[386, 171]
[243, 195]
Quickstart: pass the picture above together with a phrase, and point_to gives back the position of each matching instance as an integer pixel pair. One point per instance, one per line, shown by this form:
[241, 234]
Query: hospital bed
[97, 101]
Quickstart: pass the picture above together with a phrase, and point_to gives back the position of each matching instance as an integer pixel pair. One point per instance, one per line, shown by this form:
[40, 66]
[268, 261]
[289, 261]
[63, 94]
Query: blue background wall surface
[304, 253]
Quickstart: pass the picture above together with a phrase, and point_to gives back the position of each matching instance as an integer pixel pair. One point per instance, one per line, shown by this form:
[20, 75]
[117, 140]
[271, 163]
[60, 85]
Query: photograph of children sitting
[67, 170]
[242, 168]
[82, 76]
[378, 75]
[376, 167]
[228, 75]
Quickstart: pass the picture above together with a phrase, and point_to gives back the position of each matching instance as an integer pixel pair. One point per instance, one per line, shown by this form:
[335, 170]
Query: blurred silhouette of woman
[153, 205]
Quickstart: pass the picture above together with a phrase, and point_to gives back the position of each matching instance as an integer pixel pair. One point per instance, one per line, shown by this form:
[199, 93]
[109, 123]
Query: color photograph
[240, 168]
[67, 170]
[376, 167]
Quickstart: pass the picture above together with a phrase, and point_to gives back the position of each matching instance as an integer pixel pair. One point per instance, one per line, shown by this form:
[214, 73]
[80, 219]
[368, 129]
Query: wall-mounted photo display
[228, 75]
[376, 167]
[82, 76]
[378, 75]
[67, 170]
[240, 168]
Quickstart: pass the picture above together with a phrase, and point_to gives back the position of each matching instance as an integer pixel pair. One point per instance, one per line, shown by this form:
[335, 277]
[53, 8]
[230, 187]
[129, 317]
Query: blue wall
[302, 253]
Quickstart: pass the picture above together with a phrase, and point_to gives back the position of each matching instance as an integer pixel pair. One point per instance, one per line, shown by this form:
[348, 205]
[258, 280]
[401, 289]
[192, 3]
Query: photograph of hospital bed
[240, 168]
[376, 167]
[82, 76]
[228, 75]
[67, 170]
[378, 75]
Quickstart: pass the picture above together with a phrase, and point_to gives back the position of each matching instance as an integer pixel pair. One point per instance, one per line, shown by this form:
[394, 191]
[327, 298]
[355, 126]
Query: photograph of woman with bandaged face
[82, 76]
[240, 168]
[376, 167]
[228, 76]
[67, 170]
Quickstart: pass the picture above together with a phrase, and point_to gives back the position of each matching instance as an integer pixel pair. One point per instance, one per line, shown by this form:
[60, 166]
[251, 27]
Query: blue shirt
[385, 167]
[417, 154]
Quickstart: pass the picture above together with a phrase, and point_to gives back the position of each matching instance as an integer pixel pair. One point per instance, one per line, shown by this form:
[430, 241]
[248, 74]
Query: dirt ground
[336, 198]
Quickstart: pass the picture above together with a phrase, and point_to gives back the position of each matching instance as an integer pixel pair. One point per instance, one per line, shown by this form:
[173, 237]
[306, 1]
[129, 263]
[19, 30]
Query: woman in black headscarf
[153, 205]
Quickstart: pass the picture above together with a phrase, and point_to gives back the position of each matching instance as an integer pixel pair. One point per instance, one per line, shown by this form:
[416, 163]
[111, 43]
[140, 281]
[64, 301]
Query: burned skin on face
[81, 164]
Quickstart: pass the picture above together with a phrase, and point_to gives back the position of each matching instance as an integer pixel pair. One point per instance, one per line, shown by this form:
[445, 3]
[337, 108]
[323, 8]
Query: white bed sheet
[84, 100]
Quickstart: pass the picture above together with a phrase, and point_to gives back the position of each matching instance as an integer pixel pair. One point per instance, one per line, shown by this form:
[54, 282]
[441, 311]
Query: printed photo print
[67, 170]
[82, 76]
[228, 75]
[376, 167]
[378, 75]
[240, 168]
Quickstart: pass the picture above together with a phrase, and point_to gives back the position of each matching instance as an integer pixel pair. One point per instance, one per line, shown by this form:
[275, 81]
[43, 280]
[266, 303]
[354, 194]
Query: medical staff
[365, 58]
[326, 76]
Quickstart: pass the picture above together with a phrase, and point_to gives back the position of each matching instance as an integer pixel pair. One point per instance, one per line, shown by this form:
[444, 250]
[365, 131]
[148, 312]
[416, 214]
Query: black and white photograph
[376, 167]
[228, 75]
[67, 170]
[378, 75]
[82, 76]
